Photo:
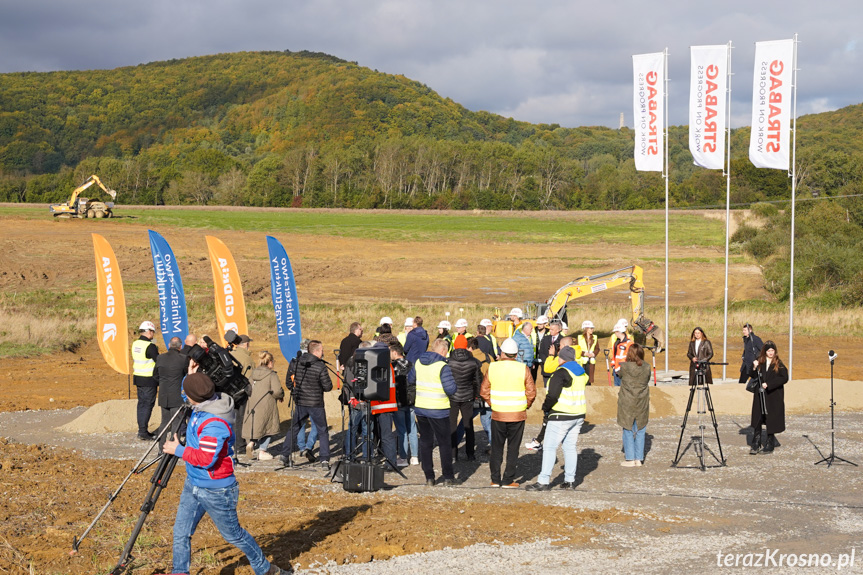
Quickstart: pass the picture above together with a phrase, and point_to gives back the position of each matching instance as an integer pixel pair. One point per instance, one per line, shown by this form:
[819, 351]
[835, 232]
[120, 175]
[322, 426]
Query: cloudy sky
[555, 61]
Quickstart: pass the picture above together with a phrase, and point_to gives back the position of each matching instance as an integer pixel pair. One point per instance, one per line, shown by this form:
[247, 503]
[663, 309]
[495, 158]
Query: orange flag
[111, 329]
[230, 306]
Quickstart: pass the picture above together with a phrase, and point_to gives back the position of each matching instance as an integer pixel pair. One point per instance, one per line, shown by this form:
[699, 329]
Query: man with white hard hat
[386, 320]
[460, 331]
[619, 348]
[587, 342]
[510, 390]
[403, 336]
[144, 354]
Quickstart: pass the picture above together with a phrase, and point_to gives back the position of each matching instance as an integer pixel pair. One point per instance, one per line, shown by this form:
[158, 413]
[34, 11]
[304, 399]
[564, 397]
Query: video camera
[222, 367]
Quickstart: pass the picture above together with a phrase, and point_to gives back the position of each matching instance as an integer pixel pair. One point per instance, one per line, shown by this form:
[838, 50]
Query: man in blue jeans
[566, 406]
[210, 485]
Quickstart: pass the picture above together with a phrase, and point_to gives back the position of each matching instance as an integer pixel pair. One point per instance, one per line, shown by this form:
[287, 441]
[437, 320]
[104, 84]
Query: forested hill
[309, 129]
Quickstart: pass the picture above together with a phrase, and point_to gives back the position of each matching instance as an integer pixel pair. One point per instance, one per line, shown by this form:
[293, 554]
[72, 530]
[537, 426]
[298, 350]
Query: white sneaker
[533, 445]
[264, 456]
[401, 462]
[415, 461]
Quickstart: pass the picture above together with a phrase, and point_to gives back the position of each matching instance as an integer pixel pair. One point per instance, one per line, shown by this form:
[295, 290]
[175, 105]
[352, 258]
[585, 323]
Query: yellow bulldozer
[78, 207]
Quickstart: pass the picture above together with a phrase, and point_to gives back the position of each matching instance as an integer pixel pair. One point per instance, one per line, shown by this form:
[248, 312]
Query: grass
[632, 228]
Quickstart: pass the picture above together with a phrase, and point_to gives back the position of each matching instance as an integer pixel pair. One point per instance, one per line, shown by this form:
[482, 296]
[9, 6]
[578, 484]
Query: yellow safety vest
[503, 329]
[402, 337]
[430, 393]
[582, 343]
[143, 366]
[507, 386]
[572, 399]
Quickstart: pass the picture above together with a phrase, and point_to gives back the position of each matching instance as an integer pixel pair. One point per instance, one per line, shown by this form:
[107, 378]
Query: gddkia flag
[230, 305]
[172, 301]
[769, 145]
[285, 303]
[708, 105]
[112, 331]
[649, 117]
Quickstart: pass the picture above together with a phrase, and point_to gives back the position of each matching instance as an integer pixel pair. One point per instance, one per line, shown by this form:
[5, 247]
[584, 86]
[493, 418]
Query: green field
[633, 228]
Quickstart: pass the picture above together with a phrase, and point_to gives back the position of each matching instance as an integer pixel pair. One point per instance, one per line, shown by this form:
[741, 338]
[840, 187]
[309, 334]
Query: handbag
[754, 383]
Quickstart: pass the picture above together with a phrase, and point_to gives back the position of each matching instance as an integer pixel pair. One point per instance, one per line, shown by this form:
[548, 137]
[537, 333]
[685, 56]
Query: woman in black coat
[700, 349]
[774, 376]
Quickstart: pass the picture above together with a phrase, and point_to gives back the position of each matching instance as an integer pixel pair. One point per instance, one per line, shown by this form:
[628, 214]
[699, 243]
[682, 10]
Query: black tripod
[705, 404]
[833, 458]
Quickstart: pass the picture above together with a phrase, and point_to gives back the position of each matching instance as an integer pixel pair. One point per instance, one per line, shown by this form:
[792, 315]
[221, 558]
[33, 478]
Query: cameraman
[700, 352]
[210, 486]
[310, 382]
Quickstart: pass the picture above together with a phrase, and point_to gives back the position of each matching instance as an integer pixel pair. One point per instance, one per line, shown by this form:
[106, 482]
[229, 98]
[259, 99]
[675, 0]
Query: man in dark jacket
[417, 342]
[552, 338]
[350, 344]
[467, 372]
[406, 423]
[310, 383]
[171, 368]
[752, 345]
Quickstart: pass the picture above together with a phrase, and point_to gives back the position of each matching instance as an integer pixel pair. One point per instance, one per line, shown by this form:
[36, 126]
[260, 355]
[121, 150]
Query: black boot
[756, 442]
[769, 444]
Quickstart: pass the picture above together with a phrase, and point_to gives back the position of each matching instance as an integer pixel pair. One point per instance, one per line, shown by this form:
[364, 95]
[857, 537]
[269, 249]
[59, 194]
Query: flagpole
[665, 163]
[793, 202]
[727, 207]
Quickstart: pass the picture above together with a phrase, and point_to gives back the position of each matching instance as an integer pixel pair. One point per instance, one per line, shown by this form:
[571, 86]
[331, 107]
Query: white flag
[708, 105]
[769, 145]
[649, 83]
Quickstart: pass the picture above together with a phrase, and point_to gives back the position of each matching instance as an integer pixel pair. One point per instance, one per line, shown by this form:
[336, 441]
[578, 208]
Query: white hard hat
[461, 323]
[541, 320]
[587, 324]
[563, 327]
[147, 326]
[509, 346]
[516, 311]
[444, 325]
[409, 322]
[387, 319]
[486, 322]
[620, 327]
[623, 321]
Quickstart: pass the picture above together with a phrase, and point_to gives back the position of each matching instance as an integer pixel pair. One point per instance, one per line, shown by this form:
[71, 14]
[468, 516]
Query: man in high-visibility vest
[144, 354]
[460, 330]
[403, 336]
[587, 342]
[508, 387]
[434, 386]
[566, 406]
[619, 350]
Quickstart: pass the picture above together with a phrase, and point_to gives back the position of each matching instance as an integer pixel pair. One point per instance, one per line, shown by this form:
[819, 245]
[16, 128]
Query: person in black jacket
[407, 442]
[752, 345]
[350, 344]
[552, 338]
[171, 368]
[774, 376]
[310, 383]
[467, 372]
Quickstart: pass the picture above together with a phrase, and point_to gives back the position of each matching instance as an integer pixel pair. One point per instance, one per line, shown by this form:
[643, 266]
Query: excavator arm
[589, 285]
[94, 179]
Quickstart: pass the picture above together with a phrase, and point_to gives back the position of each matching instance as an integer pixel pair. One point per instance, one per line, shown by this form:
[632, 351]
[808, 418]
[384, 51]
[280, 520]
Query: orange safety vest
[390, 404]
[621, 348]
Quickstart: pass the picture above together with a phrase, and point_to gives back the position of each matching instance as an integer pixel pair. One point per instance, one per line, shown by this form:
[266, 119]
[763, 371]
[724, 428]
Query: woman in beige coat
[633, 404]
[261, 418]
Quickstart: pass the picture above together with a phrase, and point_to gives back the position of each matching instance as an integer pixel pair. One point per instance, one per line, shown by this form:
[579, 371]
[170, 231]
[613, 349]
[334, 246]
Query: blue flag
[285, 303]
[172, 300]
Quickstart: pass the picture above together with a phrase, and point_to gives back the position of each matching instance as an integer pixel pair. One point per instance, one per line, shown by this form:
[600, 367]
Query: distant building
[621, 121]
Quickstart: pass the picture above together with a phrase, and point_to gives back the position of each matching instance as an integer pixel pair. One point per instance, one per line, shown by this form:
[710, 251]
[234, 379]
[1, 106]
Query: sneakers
[325, 465]
[401, 462]
[512, 485]
[264, 456]
[307, 453]
[628, 463]
[493, 484]
[415, 460]
[146, 436]
[287, 461]
[568, 485]
[449, 482]
[430, 482]
[538, 487]
[533, 445]
[276, 570]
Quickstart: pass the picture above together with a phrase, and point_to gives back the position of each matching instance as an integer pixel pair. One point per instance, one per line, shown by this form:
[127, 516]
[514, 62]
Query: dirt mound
[115, 415]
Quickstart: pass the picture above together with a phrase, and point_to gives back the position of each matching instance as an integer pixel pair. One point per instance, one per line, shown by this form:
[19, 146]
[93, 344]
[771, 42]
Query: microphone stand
[833, 458]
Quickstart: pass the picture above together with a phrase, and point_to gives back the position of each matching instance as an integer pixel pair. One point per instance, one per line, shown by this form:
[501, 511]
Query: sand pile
[115, 415]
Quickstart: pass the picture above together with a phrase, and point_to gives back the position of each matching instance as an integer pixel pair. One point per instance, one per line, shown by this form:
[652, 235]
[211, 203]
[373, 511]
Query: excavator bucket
[650, 329]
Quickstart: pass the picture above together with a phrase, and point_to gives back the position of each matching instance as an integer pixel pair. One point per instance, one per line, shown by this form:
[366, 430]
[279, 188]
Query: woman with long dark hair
[773, 376]
[700, 350]
[633, 404]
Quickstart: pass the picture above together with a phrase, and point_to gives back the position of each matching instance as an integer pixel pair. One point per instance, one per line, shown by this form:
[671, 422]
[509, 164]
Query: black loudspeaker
[372, 373]
[362, 477]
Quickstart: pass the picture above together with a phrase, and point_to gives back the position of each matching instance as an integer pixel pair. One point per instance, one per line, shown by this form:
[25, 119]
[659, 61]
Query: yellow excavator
[78, 207]
[588, 285]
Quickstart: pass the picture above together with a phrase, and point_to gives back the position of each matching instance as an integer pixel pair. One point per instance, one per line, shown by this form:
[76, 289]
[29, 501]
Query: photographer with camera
[310, 383]
[700, 353]
[210, 486]
[773, 376]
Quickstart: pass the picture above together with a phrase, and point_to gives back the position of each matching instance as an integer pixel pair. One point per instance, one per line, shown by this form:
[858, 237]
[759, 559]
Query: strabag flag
[285, 303]
[708, 105]
[769, 145]
[649, 117]
[173, 318]
[230, 305]
[112, 332]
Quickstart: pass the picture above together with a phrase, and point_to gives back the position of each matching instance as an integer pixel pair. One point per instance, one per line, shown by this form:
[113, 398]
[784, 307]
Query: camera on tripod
[219, 365]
